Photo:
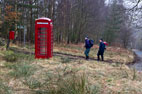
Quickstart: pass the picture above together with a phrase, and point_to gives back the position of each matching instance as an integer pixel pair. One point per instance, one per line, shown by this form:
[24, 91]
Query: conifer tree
[115, 21]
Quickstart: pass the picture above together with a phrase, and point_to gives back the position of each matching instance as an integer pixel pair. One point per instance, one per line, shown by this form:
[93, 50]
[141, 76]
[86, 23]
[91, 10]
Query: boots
[87, 57]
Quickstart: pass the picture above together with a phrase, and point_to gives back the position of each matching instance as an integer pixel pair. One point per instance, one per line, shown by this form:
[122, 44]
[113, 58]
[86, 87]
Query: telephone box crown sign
[44, 18]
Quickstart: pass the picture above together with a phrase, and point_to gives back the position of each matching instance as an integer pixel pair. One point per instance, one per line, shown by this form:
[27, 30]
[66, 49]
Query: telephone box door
[42, 41]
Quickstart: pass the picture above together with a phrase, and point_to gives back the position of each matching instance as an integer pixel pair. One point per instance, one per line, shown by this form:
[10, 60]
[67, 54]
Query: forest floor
[68, 72]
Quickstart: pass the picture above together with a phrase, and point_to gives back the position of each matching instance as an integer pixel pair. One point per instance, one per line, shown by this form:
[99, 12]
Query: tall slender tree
[115, 21]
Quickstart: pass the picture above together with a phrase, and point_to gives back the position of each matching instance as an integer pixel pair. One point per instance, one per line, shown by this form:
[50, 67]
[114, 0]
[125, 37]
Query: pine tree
[0, 15]
[114, 22]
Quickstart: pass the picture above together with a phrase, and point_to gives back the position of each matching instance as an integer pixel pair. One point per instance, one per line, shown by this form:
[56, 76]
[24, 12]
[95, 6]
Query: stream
[138, 64]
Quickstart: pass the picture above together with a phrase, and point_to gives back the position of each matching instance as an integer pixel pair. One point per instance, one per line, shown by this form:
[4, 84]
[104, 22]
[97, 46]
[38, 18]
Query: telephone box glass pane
[42, 41]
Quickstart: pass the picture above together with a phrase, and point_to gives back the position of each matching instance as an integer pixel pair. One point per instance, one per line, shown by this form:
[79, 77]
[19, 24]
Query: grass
[65, 60]
[65, 75]
[4, 89]
[72, 85]
[118, 55]
[32, 83]
[10, 56]
[21, 70]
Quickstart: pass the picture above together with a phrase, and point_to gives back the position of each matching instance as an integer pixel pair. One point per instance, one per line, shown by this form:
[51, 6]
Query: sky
[135, 16]
[127, 3]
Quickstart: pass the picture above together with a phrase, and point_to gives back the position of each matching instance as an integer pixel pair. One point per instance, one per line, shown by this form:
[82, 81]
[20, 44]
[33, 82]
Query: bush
[10, 56]
[2, 42]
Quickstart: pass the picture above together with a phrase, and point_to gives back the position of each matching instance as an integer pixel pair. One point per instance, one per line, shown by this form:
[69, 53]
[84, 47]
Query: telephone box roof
[43, 18]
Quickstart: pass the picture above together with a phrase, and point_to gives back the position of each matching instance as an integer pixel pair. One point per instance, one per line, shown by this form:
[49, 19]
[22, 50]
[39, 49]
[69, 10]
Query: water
[138, 64]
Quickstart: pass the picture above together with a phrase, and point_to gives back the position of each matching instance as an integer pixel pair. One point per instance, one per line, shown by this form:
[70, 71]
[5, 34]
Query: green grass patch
[66, 60]
[27, 57]
[10, 56]
[2, 42]
[32, 83]
[22, 70]
[72, 85]
[4, 89]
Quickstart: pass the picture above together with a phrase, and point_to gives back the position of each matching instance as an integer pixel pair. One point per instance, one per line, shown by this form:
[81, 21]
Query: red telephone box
[43, 38]
[11, 35]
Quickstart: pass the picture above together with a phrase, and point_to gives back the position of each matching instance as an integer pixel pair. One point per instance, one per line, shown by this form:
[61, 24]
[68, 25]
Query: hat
[101, 39]
[87, 37]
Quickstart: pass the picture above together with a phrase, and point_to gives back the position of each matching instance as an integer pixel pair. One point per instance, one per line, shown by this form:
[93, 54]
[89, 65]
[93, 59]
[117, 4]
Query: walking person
[88, 47]
[101, 50]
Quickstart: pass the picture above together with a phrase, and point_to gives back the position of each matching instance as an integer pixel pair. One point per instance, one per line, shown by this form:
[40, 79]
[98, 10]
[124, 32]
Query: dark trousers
[87, 53]
[102, 55]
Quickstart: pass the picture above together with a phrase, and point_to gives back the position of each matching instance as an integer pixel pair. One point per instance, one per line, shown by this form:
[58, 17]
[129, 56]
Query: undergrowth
[21, 70]
[4, 89]
[74, 84]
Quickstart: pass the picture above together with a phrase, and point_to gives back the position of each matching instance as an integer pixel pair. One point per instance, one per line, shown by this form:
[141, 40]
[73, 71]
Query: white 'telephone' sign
[42, 22]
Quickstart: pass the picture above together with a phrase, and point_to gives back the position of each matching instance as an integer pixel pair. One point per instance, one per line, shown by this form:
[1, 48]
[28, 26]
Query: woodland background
[73, 20]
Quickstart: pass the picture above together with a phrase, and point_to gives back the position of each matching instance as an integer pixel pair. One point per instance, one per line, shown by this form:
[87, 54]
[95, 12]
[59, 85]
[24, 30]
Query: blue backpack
[91, 42]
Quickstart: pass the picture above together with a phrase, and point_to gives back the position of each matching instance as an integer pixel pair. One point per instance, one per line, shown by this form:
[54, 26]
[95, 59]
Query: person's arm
[87, 43]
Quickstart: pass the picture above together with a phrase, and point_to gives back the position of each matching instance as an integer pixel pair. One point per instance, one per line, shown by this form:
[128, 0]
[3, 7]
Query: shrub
[2, 42]
[10, 56]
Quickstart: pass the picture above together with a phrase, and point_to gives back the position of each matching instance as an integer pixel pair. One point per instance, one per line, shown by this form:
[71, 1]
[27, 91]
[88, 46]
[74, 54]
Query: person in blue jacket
[101, 50]
[87, 46]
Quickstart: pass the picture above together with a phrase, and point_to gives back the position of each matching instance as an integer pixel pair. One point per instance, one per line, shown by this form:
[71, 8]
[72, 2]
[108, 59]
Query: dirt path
[74, 57]
[138, 64]
[78, 57]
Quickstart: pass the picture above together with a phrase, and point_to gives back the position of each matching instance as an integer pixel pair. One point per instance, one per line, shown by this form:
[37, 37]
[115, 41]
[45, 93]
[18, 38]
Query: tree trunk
[8, 43]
